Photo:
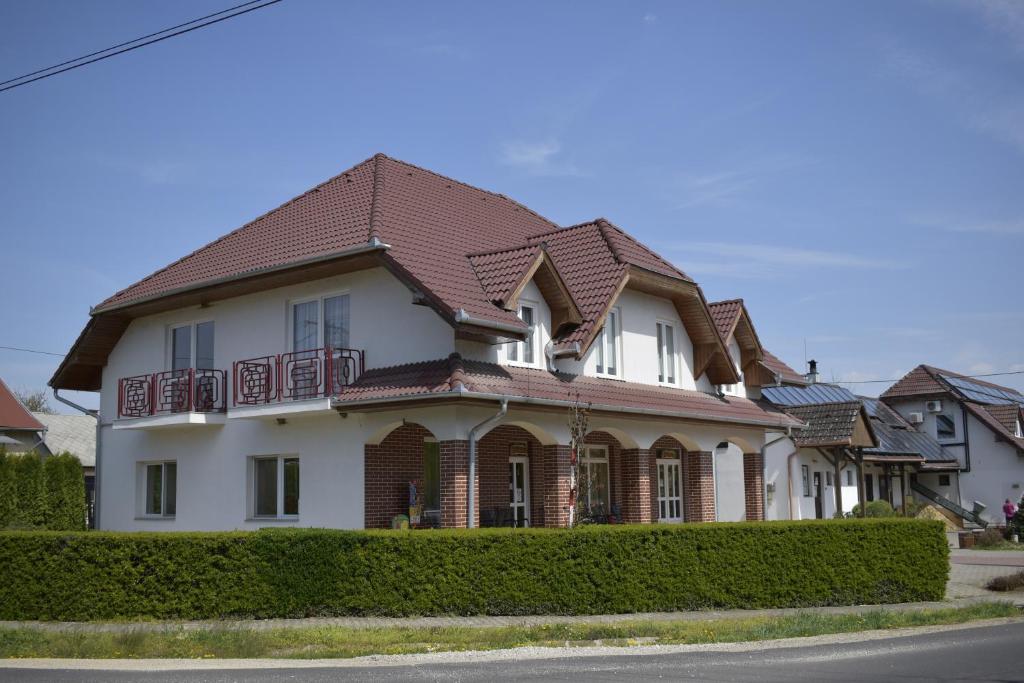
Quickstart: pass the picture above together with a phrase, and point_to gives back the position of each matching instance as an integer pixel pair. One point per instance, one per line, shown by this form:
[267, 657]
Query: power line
[45, 353]
[879, 381]
[149, 40]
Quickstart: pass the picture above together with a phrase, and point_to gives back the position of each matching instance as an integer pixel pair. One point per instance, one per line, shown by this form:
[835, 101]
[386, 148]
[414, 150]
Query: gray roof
[896, 436]
[75, 434]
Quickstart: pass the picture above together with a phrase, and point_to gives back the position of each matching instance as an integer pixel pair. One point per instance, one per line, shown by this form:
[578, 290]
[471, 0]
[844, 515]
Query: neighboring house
[978, 425]
[854, 449]
[394, 326]
[74, 434]
[20, 432]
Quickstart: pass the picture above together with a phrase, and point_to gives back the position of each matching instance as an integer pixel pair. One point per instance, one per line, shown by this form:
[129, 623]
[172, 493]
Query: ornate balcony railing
[173, 391]
[295, 376]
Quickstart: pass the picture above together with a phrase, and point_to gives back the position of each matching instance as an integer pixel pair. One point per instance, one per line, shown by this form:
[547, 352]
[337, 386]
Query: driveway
[970, 570]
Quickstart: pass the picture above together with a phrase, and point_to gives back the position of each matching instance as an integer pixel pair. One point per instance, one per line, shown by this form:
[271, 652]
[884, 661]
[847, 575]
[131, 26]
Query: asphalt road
[990, 653]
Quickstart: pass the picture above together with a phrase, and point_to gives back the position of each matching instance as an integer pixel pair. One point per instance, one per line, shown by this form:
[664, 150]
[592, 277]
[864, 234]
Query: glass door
[519, 489]
[670, 499]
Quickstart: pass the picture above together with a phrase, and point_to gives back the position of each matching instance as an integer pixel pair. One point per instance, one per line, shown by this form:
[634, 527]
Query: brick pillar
[556, 485]
[699, 487]
[753, 485]
[454, 476]
[636, 486]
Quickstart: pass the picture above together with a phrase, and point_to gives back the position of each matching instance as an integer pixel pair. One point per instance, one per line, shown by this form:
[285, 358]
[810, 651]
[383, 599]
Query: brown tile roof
[726, 314]
[918, 382]
[1002, 420]
[455, 374]
[13, 415]
[787, 374]
[828, 424]
[500, 272]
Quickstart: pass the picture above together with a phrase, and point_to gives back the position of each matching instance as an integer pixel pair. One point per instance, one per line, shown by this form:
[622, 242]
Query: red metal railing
[173, 391]
[295, 376]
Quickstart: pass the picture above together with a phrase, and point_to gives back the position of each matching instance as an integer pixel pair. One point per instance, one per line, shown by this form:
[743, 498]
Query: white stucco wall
[730, 490]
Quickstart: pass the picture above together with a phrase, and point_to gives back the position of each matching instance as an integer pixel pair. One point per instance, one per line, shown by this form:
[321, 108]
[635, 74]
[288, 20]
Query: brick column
[753, 485]
[557, 472]
[454, 477]
[636, 486]
[699, 486]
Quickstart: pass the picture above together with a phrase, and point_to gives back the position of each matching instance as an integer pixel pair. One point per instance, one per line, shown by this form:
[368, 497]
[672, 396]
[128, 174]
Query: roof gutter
[341, 405]
[371, 246]
[464, 318]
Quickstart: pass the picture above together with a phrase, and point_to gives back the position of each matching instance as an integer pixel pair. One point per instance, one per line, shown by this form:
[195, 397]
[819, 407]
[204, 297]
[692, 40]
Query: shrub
[875, 508]
[38, 494]
[989, 538]
[65, 493]
[590, 570]
[29, 492]
[1010, 582]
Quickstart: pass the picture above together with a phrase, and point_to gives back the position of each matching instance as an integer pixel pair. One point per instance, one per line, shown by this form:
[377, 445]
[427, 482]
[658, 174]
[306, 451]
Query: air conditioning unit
[933, 406]
[915, 418]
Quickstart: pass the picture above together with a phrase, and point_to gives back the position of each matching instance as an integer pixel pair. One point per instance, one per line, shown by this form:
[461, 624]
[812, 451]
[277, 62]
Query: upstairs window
[609, 345]
[666, 353]
[525, 351]
[192, 346]
[944, 427]
[321, 323]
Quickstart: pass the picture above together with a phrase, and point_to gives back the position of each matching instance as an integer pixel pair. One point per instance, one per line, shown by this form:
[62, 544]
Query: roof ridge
[378, 189]
[602, 225]
[465, 184]
[725, 301]
[501, 251]
[562, 229]
[225, 236]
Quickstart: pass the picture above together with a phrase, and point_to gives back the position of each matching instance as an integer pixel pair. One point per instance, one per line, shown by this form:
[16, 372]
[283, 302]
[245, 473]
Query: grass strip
[339, 642]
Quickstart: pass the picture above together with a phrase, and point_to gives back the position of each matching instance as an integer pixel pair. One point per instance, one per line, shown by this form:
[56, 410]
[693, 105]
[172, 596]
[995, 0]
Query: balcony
[174, 397]
[297, 383]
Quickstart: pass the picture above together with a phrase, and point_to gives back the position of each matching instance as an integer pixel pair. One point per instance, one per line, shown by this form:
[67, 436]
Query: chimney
[812, 371]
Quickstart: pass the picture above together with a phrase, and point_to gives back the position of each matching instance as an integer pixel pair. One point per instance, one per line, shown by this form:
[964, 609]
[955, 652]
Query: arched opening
[602, 487]
[511, 477]
[402, 472]
[730, 487]
[669, 468]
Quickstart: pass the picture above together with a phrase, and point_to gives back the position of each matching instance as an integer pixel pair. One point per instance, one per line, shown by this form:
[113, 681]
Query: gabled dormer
[745, 351]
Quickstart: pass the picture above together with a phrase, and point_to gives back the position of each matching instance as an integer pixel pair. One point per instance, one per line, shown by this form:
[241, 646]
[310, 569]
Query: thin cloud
[723, 187]
[1001, 16]
[650, 18]
[537, 158]
[988, 227]
[765, 260]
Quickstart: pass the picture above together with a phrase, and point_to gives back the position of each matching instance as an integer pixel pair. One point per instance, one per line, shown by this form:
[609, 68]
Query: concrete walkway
[970, 570]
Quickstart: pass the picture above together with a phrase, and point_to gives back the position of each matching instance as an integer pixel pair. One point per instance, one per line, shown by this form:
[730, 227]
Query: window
[594, 491]
[161, 489]
[943, 480]
[275, 487]
[849, 477]
[806, 480]
[828, 478]
[192, 346]
[525, 351]
[666, 353]
[670, 500]
[431, 477]
[609, 345]
[944, 427]
[331, 314]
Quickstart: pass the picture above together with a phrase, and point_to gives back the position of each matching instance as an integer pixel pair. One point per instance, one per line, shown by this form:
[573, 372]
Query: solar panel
[809, 395]
[982, 393]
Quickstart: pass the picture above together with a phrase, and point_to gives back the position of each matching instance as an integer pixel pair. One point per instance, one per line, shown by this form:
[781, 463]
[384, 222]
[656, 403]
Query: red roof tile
[13, 415]
[786, 374]
[1002, 420]
[500, 272]
[476, 377]
[918, 382]
[828, 424]
[725, 314]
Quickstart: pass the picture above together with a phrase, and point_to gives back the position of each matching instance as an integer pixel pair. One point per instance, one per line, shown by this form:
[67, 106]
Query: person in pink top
[1009, 510]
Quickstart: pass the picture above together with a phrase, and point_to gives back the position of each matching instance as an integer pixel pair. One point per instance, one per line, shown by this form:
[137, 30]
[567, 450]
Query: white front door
[519, 489]
[670, 499]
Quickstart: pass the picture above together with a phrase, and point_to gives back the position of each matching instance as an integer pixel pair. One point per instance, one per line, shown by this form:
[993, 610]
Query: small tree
[8, 489]
[65, 493]
[35, 401]
[30, 491]
[579, 418]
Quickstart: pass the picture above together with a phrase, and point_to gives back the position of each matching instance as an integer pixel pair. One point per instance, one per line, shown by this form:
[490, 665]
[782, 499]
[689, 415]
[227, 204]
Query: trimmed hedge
[41, 494]
[590, 570]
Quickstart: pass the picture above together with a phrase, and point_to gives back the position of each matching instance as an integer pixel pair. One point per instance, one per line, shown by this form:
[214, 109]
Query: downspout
[471, 484]
[789, 478]
[99, 440]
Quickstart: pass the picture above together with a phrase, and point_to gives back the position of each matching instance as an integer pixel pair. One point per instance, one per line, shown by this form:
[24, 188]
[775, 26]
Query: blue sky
[854, 171]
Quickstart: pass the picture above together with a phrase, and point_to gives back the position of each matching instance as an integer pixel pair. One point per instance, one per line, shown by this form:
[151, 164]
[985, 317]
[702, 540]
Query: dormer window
[666, 353]
[525, 352]
[609, 345]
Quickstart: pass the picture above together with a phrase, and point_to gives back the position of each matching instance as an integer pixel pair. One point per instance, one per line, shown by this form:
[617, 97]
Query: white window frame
[601, 340]
[142, 477]
[251, 486]
[1019, 431]
[193, 338]
[290, 316]
[518, 347]
[596, 454]
[677, 463]
[664, 358]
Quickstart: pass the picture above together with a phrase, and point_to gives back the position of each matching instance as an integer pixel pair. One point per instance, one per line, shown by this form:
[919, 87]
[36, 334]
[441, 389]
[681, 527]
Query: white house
[978, 425]
[394, 336]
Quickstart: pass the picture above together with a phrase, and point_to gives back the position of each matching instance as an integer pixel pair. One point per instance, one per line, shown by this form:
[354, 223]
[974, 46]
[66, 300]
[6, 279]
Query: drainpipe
[471, 484]
[99, 440]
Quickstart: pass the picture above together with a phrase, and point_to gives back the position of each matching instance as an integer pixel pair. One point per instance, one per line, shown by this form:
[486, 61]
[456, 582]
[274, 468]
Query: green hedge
[41, 494]
[600, 569]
